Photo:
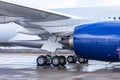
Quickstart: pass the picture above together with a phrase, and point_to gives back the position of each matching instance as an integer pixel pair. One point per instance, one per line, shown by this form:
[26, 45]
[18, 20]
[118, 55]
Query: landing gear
[71, 59]
[41, 60]
[47, 60]
[55, 61]
[59, 60]
[82, 60]
[62, 60]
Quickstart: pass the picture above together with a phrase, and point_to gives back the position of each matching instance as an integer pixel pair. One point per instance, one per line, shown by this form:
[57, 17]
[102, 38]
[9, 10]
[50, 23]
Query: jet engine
[96, 41]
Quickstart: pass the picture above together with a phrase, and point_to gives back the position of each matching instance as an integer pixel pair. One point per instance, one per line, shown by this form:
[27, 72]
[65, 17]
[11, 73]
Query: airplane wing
[43, 20]
[33, 29]
[28, 14]
[38, 22]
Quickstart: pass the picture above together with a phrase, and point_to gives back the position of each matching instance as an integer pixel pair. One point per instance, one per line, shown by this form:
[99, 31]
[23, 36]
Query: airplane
[91, 33]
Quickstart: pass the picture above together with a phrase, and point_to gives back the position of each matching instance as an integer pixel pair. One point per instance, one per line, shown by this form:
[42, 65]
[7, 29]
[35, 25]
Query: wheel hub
[70, 59]
[40, 61]
[55, 61]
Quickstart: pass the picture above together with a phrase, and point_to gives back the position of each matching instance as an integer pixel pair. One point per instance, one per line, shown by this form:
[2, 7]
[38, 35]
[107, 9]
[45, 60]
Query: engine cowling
[98, 41]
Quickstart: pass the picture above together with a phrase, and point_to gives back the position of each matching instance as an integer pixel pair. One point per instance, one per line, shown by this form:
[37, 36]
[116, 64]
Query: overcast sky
[49, 4]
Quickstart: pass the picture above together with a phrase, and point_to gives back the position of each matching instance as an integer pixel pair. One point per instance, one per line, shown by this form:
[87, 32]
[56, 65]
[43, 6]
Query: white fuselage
[85, 15]
[105, 13]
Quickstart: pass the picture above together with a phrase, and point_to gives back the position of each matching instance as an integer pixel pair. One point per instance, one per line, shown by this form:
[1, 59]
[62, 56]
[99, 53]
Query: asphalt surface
[23, 67]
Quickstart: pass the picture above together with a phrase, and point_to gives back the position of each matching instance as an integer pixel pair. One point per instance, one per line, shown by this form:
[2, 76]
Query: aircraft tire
[82, 60]
[55, 61]
[62, 60]
[71, 59]
[41, 60]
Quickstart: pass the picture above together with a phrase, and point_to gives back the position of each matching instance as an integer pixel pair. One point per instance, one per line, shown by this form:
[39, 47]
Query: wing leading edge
[30, 14]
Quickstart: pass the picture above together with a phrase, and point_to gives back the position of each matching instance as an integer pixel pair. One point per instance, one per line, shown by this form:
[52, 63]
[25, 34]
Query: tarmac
[23, 67]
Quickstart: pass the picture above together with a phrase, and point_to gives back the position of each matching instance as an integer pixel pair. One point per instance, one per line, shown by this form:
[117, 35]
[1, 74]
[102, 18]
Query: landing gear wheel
[82, 60]
[55, 61]
[62, 60]
[71, 59]
[41, 60]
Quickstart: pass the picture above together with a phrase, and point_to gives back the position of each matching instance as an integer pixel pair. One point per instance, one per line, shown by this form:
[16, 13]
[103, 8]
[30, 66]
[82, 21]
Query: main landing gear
[59, 60]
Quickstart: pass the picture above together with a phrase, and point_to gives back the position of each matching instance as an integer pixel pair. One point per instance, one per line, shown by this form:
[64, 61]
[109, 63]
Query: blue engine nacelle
[98, 41]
